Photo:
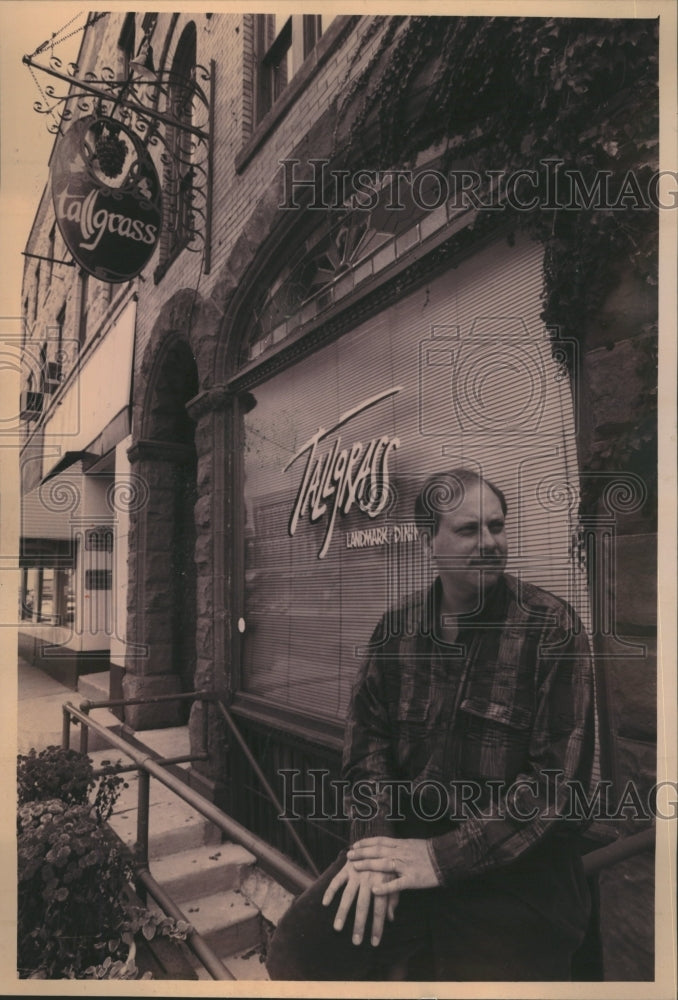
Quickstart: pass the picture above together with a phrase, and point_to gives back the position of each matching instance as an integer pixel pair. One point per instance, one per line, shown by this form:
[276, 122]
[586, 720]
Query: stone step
[217, 885]
[95, 742]
[243, 965]
[266, 894]
[94, 687]
[174, 826]
[171, 742]
[246, 964]
[229, 922]
[202, 871]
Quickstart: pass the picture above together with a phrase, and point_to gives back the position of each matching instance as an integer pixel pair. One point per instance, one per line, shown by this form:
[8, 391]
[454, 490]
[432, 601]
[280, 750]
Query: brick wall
[228, 39]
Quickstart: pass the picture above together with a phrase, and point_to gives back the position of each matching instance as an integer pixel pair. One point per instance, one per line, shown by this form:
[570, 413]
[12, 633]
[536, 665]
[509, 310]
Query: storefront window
[459, 372]
[47, 596]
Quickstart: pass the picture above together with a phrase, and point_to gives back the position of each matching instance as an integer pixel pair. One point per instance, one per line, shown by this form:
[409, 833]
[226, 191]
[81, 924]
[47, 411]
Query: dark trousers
[468, 933]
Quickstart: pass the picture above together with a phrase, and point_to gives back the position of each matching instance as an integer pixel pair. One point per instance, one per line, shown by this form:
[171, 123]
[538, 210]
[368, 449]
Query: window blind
[459, 372]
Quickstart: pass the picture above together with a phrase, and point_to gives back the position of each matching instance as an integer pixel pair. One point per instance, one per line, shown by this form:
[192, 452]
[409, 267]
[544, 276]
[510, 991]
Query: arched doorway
[163, 604]
[169, 423]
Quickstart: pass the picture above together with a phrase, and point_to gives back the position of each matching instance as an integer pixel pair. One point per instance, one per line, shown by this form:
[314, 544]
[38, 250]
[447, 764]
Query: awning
[49, 553]
[46, 536]
[92, 412]
[70, 458]
[47, 510]
[65, 504]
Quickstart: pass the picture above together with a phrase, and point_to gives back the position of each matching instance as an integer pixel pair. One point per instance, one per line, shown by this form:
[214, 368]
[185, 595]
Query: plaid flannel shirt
[510, 702]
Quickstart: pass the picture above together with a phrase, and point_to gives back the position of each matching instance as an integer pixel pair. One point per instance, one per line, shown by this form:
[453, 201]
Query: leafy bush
[109, 969]
[151, 925]
[75, 918]
[72, 875]
[54, 773]
[138, 920]
[68, 775]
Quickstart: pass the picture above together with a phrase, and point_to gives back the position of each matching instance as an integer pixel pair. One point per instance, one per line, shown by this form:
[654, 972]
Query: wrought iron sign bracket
[137, 95]
[50, 260]
[172, 116]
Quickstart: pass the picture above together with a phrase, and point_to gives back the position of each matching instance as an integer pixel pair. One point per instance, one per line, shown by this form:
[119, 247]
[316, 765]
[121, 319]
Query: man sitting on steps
[493, 702]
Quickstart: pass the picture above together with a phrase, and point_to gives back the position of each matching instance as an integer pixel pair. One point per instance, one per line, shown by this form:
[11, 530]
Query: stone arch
[218, 324]
[188, 316]
[175, 382]
[266, 234]
[256, 253]
[163, 579]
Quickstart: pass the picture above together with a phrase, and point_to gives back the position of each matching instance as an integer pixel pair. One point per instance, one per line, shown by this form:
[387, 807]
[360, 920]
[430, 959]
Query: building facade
[221, 453]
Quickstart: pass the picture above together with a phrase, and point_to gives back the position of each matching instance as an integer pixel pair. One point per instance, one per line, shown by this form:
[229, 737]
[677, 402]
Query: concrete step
[95, 742]
[266, 894]
[244, 965]
[217, 885]
[171, 742]
[229, 923]
[202, 871]
[247, 964]
[94, 687]
[112, 755]
[174, 826]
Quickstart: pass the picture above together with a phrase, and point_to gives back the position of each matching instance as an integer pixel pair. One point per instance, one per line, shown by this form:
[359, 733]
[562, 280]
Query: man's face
[470, 544]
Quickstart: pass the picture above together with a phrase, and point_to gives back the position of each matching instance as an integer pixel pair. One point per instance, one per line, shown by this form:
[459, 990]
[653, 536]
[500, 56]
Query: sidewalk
[39, 717]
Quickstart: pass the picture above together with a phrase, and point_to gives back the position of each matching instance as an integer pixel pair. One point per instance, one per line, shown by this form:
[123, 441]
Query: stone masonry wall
[617, 380]
[193, 306]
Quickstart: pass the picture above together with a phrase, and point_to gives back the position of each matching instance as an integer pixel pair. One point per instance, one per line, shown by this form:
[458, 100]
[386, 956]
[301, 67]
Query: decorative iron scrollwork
[169, 112]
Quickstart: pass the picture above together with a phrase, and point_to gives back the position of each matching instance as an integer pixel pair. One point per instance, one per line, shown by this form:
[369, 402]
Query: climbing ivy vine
[510, 94]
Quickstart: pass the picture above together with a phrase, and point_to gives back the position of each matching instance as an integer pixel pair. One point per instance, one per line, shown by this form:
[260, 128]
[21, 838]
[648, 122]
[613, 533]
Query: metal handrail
[145, 881]
[88, 705]
[254, 764]
[287, 870]
[612, 854]
[198, 945]
[148, 766]
[294, 876]
[282, 867]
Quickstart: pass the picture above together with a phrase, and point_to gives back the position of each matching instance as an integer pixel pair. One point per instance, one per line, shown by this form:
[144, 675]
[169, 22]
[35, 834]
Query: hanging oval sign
[107, 198]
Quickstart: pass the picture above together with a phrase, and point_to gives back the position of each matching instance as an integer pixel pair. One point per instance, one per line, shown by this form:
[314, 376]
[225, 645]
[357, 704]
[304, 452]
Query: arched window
[126, 44]
[180, 175]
